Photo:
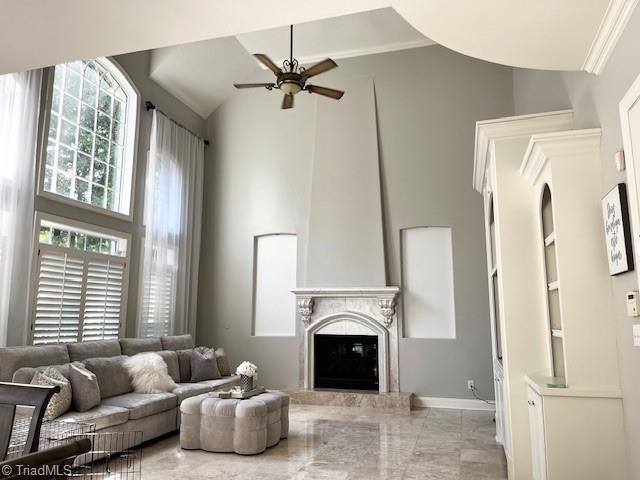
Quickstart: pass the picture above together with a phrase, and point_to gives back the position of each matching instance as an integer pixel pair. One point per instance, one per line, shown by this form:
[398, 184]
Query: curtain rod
[151, 106]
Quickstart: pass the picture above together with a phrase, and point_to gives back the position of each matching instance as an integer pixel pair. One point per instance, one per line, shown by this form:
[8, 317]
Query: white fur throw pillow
[149, 373]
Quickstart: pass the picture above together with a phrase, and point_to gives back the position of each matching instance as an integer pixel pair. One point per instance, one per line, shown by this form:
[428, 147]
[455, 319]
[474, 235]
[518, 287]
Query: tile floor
[346, 443]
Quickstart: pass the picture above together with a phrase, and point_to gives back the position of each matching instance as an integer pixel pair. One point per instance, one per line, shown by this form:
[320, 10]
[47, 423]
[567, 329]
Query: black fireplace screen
[346, 362]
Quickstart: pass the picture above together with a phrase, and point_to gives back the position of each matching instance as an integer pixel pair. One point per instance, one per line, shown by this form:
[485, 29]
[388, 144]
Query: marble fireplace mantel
[351, 311]
[386, 297]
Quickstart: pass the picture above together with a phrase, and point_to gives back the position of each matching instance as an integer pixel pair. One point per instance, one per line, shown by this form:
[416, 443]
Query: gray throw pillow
[61, 401]
[204, 365]
[184, 364]
[223, 362]
[84, 384]
[113, 377]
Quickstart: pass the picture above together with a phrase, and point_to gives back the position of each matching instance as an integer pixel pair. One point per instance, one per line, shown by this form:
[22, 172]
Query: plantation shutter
[78, 297]
[58, 298]
[103, 300]
[157, 302]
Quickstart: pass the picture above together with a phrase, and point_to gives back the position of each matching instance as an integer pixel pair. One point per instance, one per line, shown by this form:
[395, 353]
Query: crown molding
[489, 131]
[613, 23]
[543, 147]
[358, 52]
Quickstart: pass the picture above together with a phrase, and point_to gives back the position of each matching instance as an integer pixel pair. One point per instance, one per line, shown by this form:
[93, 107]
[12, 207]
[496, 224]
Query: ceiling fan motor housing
[290, 83]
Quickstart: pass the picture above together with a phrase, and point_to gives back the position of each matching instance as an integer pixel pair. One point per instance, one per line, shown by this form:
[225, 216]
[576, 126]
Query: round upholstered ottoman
[246, 426]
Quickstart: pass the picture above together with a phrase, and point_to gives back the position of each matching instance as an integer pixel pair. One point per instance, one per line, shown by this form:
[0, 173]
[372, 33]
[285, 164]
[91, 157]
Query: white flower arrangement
[248, 369]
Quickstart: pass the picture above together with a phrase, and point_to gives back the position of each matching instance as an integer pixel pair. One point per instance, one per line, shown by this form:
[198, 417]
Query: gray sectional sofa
[121, 409]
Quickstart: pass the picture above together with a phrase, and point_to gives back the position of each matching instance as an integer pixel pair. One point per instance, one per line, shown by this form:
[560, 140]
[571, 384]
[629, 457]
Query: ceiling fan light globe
[290, 88]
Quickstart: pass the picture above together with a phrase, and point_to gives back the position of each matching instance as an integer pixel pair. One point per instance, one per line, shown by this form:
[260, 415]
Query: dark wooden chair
[48, 463]
[14, 394]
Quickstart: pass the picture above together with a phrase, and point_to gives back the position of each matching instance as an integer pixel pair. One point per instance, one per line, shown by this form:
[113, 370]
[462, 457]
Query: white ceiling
[544, 34]
[364, 33]
[202, 74]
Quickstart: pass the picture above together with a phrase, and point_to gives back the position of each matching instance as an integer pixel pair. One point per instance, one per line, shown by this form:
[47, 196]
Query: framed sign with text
[617, 230]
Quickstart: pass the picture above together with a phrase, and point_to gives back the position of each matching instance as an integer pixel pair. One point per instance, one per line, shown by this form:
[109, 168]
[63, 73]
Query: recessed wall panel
[274, 278]
[427, 283]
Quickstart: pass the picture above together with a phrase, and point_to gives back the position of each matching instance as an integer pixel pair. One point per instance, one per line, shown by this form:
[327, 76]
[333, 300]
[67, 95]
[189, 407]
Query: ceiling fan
[293, 78]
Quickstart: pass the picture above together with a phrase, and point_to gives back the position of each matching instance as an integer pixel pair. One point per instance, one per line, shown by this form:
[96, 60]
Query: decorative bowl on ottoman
[246, 426]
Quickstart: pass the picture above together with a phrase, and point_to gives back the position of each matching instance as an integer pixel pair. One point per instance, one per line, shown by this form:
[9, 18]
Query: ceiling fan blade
[287, 101]
[324, 91]
[268, 86]
[319, 68]
[267, 62]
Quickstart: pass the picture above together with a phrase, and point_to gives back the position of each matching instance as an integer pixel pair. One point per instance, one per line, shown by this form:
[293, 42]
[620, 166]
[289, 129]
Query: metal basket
[53, 433]
[113, 455]
[246, 383]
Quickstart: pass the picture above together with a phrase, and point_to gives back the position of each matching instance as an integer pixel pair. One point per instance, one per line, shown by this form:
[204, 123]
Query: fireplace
[346, 362]
[349, 318]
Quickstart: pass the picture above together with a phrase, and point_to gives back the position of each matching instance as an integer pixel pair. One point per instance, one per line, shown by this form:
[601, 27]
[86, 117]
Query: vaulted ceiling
[202, 74]
[541, 34]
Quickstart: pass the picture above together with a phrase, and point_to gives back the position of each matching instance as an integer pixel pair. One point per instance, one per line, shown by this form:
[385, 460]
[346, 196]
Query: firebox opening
[346, 362]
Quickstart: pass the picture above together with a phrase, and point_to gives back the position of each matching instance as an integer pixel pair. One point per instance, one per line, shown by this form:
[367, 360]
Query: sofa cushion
[184, 363]
[170, 357]
[177, 342]
[188, 390]
[113, 377]
[13, 358]
[142, 405]
[221, 383]
[131, 346]
[26, 374]
[84, 387]
[103, 416]
[80, 351]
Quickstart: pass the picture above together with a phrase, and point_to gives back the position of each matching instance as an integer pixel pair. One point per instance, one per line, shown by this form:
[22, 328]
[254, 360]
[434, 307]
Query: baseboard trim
[457, 403]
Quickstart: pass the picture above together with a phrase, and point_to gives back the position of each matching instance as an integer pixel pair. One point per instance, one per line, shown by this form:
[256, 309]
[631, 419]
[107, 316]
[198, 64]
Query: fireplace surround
[363, 311]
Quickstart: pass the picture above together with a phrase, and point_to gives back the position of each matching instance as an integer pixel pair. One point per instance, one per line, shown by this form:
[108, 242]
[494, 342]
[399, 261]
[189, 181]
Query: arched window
[91, 136]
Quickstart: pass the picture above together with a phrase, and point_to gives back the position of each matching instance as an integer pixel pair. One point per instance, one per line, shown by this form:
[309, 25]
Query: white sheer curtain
[19, 104]
[172, 218]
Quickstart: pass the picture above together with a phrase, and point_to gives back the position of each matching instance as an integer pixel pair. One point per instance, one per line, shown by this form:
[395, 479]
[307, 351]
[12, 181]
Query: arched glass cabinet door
[493, 282]
[552, 285]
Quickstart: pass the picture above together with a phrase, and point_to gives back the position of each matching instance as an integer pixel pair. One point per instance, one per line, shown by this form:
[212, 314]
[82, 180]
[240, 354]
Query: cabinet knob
[531, 402]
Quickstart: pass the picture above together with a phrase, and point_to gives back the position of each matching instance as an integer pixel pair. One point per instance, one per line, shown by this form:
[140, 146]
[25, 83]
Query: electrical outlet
[470, 385]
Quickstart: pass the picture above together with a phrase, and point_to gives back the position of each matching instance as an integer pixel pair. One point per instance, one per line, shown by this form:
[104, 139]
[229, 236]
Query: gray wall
[137, 67]
[595, 100]
[258, 177]
[345, 241]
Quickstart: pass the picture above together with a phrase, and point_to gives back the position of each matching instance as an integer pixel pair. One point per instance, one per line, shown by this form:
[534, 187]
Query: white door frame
[632, 161]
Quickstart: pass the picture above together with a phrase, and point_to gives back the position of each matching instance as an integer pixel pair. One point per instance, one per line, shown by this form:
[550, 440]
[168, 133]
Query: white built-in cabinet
[511, 229]
[575, 405]
[553, 335]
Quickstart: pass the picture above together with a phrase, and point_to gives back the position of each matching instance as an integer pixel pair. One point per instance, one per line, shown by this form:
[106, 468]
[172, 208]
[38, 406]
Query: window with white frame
[91, 136]
[80, 282]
